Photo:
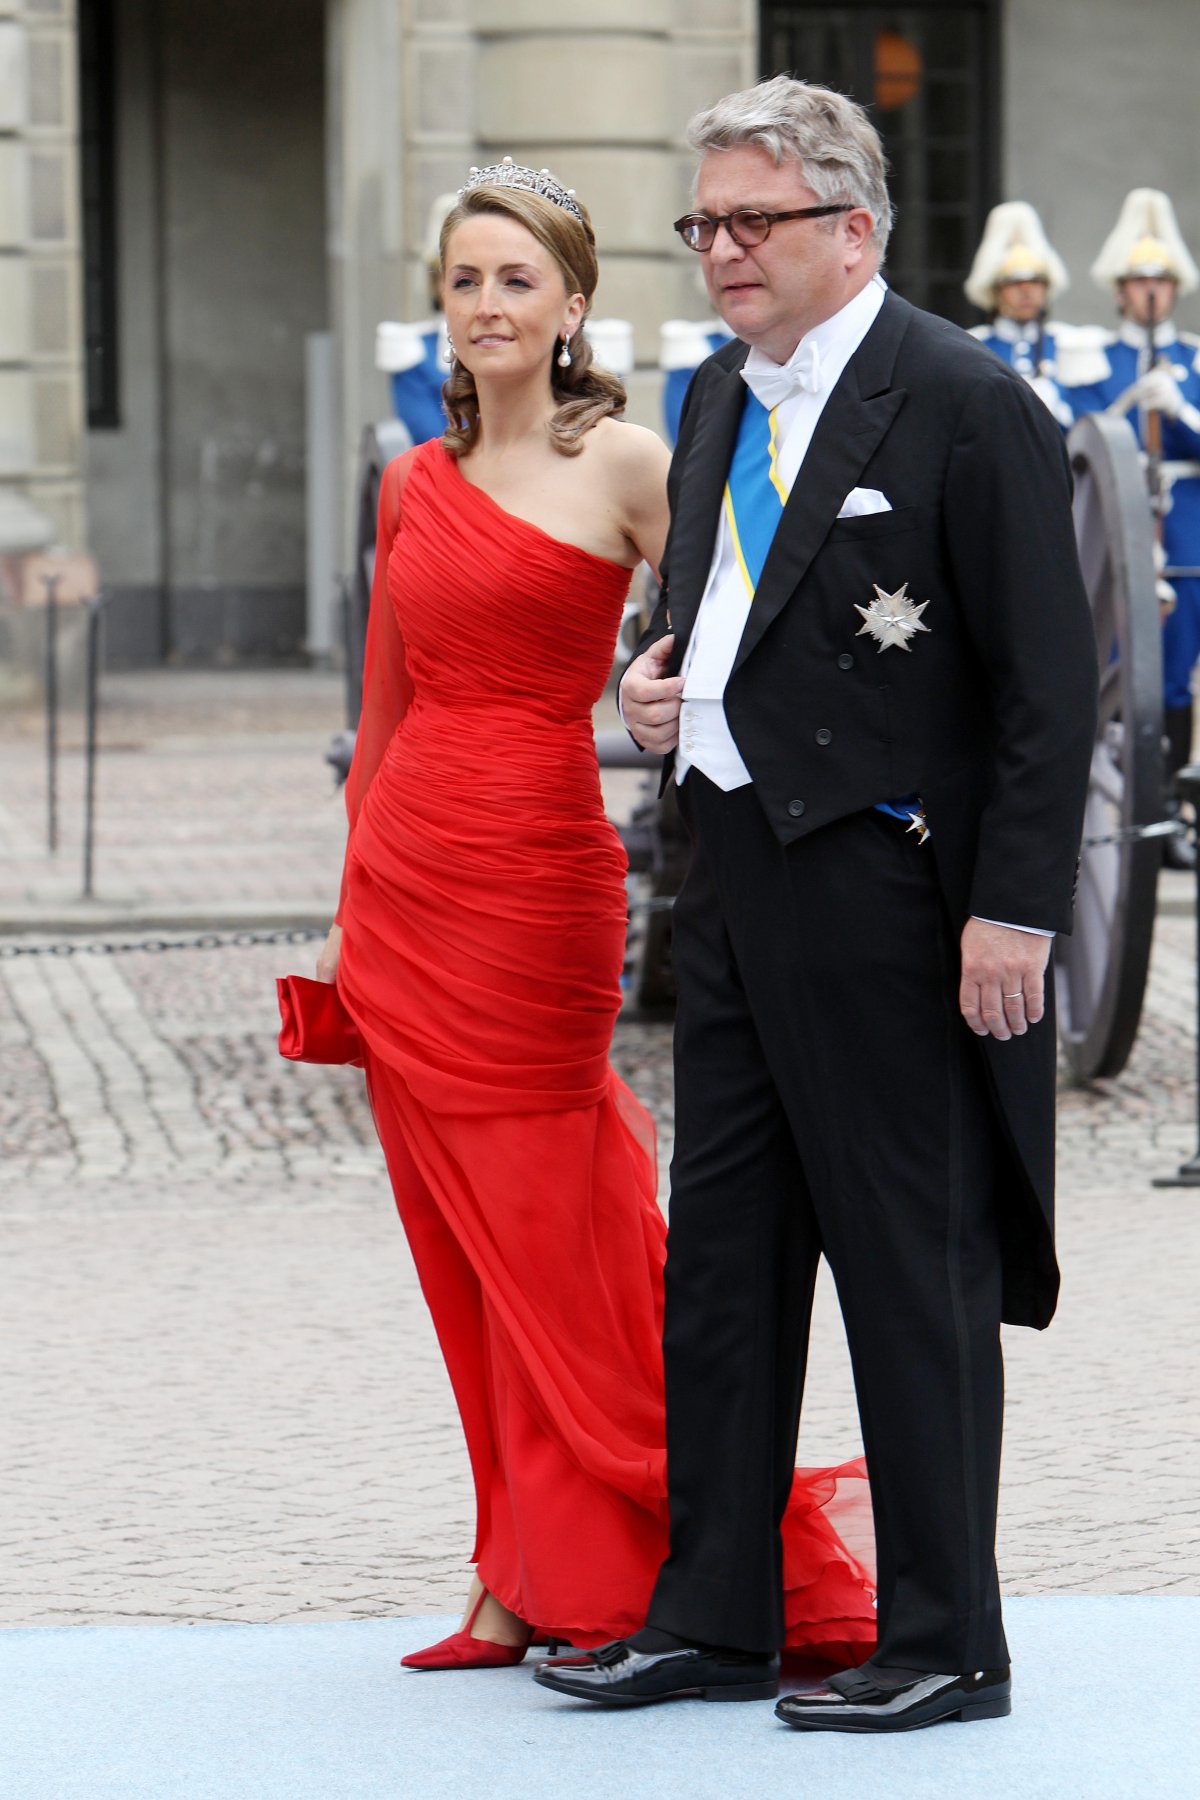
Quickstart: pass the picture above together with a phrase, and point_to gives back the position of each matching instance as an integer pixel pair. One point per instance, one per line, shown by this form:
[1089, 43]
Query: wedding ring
[1019, 996]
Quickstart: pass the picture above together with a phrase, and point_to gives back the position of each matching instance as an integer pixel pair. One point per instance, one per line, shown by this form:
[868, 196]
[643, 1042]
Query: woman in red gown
[480, 942]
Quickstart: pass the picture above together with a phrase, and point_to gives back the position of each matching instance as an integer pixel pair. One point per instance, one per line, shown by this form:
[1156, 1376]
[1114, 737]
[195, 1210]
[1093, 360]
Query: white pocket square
[860, 501]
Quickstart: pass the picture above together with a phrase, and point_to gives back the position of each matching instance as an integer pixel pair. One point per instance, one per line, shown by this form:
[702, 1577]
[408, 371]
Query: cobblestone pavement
[221, 1391]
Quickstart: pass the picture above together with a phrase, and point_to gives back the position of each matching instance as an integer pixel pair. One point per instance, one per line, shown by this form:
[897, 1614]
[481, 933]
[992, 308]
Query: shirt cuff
[1030, 930]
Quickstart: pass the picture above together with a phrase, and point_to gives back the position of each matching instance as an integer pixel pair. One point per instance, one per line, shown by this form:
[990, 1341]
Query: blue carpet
[1105, 1708]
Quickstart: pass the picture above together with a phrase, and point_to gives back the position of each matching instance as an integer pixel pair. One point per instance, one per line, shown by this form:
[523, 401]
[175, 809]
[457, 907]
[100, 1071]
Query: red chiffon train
[484, 916]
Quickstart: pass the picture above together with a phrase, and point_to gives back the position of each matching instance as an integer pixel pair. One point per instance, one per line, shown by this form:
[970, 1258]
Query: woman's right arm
[386, 688]
[649, 698]
[645, 512]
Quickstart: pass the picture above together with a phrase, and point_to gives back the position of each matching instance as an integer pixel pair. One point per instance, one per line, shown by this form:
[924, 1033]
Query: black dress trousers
[829, 1099]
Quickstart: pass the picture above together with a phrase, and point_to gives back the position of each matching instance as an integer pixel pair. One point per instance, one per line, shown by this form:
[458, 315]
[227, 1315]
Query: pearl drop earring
[450, 352]
[564, 355]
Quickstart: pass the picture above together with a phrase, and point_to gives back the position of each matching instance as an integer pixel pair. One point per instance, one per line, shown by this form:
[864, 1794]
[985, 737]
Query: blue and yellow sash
[754, 505]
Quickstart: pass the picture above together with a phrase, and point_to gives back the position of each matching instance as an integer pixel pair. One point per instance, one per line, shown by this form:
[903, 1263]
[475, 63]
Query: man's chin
[743, 313]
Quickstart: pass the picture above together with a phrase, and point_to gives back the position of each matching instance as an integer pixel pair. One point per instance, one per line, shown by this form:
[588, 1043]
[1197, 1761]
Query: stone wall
[1099, 97]
[277, 163]
[41, 334]
[276, 171]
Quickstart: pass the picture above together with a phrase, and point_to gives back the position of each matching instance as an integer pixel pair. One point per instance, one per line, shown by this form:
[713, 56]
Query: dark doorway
[98, 184]
[930, 77]
[210, 204]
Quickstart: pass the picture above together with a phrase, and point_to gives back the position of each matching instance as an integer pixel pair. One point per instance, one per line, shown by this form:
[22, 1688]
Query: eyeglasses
[747, 226]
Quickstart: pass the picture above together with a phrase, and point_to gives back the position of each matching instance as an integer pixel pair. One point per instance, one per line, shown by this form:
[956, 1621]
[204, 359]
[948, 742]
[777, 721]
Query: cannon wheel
[1102, 966]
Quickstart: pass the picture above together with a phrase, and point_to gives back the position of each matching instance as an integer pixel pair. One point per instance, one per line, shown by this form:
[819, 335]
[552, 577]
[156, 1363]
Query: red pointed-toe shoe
[462, 1651]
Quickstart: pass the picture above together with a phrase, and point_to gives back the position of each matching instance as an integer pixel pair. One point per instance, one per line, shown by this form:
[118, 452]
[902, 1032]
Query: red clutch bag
[316, 1026]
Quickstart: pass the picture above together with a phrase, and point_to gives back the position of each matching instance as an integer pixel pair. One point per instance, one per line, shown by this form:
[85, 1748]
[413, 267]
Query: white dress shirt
[807, 379]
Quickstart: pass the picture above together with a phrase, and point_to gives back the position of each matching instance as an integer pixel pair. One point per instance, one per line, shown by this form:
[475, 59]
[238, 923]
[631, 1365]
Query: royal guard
[612, 345]
[686, 343]
[417, 355]
[1150, 375]
[1016, 277]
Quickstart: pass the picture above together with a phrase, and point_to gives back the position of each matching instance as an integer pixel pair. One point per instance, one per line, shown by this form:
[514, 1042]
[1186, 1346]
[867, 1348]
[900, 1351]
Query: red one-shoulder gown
[484, 917]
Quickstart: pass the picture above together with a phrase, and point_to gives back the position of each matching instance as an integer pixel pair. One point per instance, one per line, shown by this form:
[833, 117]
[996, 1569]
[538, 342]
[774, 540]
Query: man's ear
[858, 226]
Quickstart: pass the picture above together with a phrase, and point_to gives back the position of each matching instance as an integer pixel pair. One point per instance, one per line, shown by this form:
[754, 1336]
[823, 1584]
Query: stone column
[365, 179]
[41, 332]
[420, 89]
[602, 95]
[441, 64]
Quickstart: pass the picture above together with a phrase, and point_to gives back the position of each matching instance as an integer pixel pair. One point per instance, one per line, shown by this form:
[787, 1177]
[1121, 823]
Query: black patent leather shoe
[616, 1675]
[854, 1701]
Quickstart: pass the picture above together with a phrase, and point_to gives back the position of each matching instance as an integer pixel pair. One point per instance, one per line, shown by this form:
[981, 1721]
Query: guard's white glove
[1156, 391]
[1050, 397]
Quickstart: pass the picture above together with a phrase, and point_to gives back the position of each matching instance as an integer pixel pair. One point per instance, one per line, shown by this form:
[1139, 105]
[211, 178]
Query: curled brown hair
[585, 393]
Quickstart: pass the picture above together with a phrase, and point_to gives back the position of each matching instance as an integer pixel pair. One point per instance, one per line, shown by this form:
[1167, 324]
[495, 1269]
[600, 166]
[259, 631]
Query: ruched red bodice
[488, 883]
[484, 917]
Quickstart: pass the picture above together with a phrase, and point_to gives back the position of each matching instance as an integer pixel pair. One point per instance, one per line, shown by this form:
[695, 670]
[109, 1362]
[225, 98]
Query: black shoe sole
[748, 1690]
[998, 1707]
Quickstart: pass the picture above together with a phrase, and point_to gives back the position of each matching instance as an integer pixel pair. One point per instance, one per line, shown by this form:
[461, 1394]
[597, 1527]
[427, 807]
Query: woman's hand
[331, 950]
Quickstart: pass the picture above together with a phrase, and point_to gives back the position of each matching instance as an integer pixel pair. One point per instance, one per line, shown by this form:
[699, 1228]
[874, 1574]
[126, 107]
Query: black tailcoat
[989, 717]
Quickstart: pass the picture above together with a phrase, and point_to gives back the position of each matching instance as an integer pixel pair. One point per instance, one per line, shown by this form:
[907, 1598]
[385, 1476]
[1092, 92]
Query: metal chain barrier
[1133, 834]
[210, 940]
[205, 940]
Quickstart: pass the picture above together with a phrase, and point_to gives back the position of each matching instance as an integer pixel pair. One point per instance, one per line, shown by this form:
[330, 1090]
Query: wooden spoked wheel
[1102, 967]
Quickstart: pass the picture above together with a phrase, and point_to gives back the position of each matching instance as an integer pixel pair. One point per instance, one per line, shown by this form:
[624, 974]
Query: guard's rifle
[1039, 349]
[1154, 476]
[1153, 429]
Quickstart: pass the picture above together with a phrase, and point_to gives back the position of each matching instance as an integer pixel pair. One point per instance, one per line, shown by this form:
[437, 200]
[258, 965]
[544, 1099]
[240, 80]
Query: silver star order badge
[917, 820]
[891, 619]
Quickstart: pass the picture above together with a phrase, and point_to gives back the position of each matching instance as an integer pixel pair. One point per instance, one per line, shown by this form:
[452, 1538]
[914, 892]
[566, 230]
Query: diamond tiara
[516, 175]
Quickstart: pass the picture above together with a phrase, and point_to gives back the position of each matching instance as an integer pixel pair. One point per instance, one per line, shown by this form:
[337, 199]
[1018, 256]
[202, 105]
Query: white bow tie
[772, 383]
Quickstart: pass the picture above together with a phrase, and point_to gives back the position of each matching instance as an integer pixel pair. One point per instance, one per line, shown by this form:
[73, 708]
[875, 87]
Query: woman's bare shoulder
[632, 464]
[631, 451]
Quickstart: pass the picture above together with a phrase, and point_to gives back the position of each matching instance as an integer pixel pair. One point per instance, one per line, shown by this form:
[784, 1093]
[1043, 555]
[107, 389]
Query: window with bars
[929, 76]
[98, 162]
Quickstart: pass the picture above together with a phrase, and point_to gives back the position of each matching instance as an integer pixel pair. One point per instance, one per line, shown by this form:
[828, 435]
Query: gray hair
[829, 135]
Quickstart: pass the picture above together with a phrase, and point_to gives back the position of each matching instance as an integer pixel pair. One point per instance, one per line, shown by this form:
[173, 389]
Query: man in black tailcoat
[879, 698]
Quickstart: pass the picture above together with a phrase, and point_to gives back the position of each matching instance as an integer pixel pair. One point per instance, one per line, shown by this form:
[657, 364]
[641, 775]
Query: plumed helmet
[1145, 240]
[1014, 247]
[431, 250]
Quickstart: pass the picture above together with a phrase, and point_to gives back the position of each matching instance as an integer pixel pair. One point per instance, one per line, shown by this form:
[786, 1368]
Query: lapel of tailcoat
[701, 491]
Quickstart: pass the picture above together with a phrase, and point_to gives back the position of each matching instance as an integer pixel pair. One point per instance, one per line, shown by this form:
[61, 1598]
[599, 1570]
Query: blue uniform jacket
[1018, 346]
[1126, 356]
[417, 392]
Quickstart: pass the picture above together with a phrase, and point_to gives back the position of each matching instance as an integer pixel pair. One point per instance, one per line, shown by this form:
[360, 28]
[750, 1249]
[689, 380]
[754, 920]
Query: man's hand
[650, 698]
[331, 950]
[1002, 991]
